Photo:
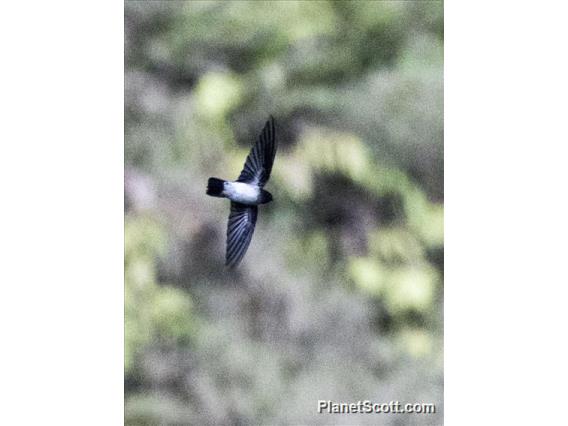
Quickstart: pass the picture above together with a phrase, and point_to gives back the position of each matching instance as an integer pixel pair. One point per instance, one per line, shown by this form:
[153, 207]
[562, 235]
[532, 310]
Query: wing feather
[258, 164]
[242, 221]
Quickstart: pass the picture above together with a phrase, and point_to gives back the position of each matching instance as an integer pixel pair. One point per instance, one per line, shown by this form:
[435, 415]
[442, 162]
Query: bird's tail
[215, 187]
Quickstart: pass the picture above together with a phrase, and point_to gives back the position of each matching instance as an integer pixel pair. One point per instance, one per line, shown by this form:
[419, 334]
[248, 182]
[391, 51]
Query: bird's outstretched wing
[259, 162]
[239, 231]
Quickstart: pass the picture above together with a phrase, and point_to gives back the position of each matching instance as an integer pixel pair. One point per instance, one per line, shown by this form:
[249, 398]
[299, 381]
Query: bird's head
[265, 197]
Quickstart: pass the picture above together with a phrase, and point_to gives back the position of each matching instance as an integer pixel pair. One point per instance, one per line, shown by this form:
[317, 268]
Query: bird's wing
[239, 231]
[259, 162]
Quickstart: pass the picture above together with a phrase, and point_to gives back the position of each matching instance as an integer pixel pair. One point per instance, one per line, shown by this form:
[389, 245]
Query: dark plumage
[246, 193]
[215, 187]
[258, 165]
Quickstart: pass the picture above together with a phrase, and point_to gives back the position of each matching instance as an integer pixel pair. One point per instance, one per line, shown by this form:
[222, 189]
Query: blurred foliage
[340, 294]
[152, 312]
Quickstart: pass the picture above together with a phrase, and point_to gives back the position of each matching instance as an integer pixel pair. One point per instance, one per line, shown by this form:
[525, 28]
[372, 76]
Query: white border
[506, 212]
[61, 162]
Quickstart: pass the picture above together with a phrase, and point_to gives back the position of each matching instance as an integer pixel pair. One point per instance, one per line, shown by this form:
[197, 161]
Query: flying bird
[246, 193]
